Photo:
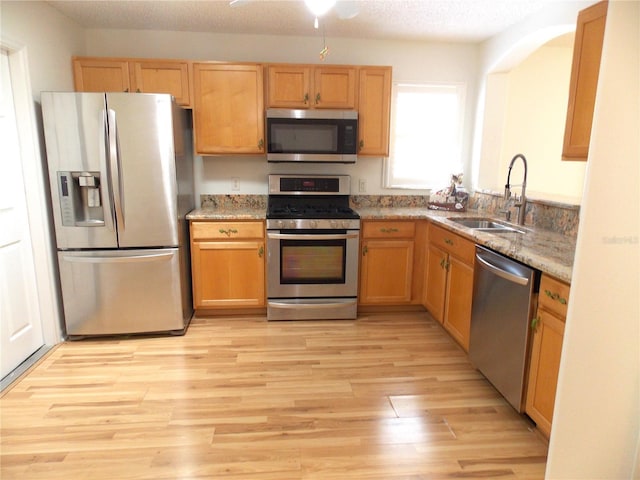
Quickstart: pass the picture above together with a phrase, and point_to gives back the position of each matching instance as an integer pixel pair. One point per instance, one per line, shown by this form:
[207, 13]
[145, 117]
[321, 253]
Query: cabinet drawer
[452, 243]
[554, 295]
[388, 229]
[226, 230]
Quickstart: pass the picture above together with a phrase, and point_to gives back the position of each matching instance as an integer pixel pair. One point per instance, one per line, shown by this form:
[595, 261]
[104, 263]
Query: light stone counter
[544, 250]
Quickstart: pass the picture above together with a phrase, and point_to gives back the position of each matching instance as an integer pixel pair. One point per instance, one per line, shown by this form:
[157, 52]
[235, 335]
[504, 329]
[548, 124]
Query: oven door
[312, 263]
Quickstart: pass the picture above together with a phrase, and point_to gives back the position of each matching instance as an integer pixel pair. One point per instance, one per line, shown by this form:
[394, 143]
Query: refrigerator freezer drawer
[122, 292]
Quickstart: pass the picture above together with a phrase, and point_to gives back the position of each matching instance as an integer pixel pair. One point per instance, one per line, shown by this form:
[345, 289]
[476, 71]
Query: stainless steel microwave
[312, 135]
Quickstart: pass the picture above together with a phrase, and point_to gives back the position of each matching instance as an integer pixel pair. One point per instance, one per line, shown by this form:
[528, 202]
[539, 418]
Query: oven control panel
[313, 224]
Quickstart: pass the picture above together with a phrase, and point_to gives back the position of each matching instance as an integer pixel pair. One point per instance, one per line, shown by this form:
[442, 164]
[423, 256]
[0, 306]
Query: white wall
[522, 102]
[50, 39]
[597, 414]
[537, 98]
[411, 61]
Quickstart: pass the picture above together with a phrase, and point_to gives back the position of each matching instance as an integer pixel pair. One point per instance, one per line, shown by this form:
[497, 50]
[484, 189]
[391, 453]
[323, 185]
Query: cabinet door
[543, 371]
[288, 86]
[457, 316]
[436, 282]
[228, 109]
[386, 271]
[585, 69]
[335, 87]
[163, 77]
[374, 100]
[101, 75]
[228, 274]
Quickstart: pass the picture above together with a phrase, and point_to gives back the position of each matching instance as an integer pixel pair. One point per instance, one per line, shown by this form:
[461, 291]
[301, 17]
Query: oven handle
[299, 236]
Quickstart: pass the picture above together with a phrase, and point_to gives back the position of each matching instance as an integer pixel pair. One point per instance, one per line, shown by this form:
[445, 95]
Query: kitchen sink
[487, 225]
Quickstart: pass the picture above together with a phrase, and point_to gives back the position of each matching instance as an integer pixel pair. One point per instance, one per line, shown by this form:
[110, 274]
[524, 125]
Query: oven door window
[312, 261]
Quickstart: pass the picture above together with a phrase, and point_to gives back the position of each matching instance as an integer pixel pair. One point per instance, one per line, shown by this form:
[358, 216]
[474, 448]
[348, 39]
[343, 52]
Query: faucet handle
[507, 192]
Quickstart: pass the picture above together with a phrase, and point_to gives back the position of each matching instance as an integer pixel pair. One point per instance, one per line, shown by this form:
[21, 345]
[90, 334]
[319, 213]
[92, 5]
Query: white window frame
[432, 175]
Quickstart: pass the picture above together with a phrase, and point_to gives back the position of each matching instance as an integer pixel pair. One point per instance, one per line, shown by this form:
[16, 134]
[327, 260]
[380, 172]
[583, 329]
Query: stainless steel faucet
[521, 202]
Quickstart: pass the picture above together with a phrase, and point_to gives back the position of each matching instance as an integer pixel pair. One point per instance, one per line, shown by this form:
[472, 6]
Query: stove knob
[313, 224]
[334, 224]
[291, 224]
[345, 224]
[279, 223]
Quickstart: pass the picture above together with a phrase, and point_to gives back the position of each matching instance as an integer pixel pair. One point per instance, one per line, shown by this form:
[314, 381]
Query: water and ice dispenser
[80, 199]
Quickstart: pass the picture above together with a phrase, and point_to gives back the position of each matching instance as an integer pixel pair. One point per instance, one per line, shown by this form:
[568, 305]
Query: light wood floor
[385, 397]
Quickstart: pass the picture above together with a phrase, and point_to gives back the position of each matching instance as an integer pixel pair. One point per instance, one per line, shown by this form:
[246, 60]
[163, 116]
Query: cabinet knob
[306, 98]
[534, 322]
[261, 251]
[261, 144]
[317, 98]
[555, 296]
[364, 250]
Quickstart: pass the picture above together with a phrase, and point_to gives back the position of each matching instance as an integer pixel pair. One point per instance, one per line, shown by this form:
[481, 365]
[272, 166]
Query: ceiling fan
[345, 9]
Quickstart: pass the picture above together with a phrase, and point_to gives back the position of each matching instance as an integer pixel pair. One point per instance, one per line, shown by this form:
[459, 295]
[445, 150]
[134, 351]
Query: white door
[20, 319]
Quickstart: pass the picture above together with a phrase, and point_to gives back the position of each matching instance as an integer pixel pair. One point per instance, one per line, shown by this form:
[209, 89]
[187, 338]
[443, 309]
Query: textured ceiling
[432, 20]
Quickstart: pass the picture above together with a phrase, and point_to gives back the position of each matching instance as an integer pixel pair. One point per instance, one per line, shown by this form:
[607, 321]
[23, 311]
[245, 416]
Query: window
[426, 135]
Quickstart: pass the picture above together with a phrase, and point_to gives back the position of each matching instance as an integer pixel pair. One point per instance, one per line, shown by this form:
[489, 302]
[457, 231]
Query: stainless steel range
[312, 248]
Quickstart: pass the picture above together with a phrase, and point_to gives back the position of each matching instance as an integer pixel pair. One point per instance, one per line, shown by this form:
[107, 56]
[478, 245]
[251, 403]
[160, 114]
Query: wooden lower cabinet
[449, 282]
[548, 332]
[228, 264]
[390, 262]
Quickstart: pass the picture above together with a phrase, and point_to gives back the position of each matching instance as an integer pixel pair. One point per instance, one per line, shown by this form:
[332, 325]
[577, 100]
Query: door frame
[36, 192]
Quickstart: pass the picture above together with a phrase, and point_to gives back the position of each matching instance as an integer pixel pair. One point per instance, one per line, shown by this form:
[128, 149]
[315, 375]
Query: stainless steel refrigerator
[121, 180]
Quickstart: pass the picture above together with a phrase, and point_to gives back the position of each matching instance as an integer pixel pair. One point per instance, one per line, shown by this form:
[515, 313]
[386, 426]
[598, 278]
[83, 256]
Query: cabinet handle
[534, 323]
[228, 232]
[261, 144]
[317, 98]
[138, 90]
[444, 263]
[361, 145]
[306, 98]
[448, 241]
[389, 230]
[365, 249]
[555, 296]
[261, 251]
[126, 90]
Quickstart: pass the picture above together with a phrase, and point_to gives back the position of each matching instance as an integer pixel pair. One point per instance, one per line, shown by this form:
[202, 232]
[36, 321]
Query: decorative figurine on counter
[452, 198]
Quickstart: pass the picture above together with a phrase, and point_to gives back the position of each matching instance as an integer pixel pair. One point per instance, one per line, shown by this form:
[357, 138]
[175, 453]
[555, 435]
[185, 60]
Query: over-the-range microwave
[312, 135]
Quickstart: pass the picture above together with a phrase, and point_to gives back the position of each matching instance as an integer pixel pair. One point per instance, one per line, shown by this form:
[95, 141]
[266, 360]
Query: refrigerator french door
[121, 181]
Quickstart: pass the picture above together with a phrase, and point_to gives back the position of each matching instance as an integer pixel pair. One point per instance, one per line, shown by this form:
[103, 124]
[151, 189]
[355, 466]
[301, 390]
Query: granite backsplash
[547, 215]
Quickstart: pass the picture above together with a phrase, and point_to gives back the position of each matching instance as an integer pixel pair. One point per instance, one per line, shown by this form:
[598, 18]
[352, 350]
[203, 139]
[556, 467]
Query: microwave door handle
[300, 236]
[114, 162]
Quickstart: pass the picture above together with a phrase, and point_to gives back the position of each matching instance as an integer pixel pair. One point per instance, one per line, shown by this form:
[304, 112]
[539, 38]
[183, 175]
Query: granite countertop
[228, 213]
[544, 250]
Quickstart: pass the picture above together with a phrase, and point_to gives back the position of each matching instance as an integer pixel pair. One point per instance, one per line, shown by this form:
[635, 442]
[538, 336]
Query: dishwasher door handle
[511, 277]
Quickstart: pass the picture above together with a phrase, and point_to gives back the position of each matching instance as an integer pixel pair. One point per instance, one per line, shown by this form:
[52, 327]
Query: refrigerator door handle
[114, 162]
[110, 219]
[127, 259]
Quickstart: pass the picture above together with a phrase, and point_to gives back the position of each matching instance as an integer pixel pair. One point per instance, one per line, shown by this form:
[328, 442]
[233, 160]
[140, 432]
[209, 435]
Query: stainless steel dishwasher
[504, 292]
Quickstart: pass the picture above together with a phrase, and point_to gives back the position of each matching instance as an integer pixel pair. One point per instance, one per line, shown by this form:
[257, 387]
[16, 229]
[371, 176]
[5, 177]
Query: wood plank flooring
[384, 397]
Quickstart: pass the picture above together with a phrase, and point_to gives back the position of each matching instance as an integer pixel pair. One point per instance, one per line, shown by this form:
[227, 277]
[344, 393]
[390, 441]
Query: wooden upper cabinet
[133, 75]
[374, 104]
[305, 86]
[228, 108]
[585, 69]
[101, 75]
[163, 77]
[289, 86]
[335, 87]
